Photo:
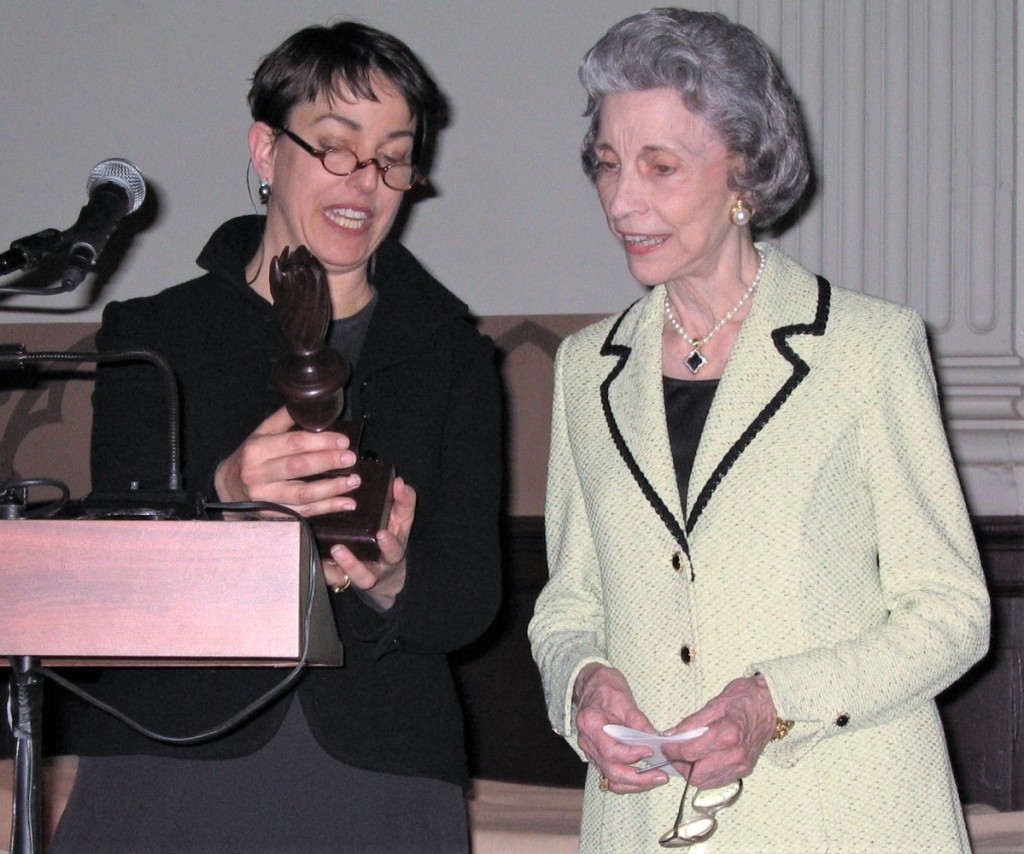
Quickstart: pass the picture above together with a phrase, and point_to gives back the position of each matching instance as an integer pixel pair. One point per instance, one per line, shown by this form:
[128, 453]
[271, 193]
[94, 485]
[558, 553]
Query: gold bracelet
[782, 729]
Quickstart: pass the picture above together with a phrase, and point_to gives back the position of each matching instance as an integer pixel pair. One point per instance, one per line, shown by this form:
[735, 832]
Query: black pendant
[695, 361]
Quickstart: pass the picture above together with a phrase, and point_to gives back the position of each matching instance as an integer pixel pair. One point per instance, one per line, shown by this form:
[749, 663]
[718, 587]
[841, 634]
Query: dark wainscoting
[507, 731]
[984, 711]
[510, 738]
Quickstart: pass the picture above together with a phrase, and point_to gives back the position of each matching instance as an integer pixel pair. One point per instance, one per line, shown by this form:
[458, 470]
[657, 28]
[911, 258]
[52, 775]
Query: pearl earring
[264, 190]
[741, 213]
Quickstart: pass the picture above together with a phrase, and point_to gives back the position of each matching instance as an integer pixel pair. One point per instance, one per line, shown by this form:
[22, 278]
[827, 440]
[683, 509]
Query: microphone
[116, 188]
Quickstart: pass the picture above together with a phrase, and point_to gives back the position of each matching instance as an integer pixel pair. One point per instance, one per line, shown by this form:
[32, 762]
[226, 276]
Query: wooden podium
[155, 593]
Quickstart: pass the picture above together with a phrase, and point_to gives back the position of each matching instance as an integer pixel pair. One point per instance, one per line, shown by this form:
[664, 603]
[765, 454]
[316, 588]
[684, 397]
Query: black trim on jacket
[780, 338]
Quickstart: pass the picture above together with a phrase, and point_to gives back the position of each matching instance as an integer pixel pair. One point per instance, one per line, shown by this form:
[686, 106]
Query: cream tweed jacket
[824, 543]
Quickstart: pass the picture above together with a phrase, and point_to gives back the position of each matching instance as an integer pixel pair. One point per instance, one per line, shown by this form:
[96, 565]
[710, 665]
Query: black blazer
[426, 388]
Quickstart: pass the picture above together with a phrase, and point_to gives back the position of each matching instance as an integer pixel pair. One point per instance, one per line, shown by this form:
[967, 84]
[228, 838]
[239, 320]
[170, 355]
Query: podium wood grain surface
[133, 592]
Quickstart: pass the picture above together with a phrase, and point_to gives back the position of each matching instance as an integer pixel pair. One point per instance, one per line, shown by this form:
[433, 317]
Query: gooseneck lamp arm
[15, 355]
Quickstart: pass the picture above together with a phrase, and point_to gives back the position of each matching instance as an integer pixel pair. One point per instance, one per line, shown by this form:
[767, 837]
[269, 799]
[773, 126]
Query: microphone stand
[26, 690]
[29, 252]
[26, 724]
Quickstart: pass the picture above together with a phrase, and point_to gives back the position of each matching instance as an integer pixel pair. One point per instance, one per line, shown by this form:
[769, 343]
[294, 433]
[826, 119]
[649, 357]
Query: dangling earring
[264, 190]
[741, 213]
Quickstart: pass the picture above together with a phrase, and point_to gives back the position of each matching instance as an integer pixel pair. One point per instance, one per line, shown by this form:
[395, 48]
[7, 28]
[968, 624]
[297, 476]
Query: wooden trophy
[312, 378]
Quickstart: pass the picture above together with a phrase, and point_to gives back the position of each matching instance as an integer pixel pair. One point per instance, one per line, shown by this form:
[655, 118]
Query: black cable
[50, 509]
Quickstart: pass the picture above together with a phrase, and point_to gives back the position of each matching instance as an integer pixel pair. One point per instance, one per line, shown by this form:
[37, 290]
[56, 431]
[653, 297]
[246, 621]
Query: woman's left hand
[383, 580]
[740, 722]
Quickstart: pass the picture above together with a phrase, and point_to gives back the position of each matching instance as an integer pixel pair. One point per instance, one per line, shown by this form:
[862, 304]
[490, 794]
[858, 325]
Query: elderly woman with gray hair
[762, 568]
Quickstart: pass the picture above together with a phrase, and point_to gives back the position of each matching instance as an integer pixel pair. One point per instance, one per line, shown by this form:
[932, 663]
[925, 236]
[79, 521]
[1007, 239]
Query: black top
[687, 403]
[426, 389]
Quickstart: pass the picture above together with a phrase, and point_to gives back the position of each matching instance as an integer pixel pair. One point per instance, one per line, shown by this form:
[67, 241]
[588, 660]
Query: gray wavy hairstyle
[724, 74]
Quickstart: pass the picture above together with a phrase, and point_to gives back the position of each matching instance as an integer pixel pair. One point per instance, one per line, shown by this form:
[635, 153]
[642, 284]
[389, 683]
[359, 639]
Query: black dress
[288, 796]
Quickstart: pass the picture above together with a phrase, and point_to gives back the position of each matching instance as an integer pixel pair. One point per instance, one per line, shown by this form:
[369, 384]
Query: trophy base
[357, 529]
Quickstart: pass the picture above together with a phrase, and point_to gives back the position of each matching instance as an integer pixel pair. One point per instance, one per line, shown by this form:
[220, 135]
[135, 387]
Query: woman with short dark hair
[368, 756]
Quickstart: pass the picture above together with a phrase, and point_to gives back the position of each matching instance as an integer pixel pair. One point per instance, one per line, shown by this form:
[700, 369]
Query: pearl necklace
[696, 360]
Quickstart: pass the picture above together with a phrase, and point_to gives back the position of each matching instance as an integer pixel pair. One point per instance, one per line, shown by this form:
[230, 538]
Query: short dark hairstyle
[724, 74]
[315, 60]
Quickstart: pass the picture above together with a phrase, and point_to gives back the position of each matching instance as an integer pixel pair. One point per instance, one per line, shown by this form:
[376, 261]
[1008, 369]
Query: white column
[911, 109]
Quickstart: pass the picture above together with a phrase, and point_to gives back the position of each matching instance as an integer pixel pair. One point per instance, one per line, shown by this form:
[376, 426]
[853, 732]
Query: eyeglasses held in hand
[706, 803]
[343, 161]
